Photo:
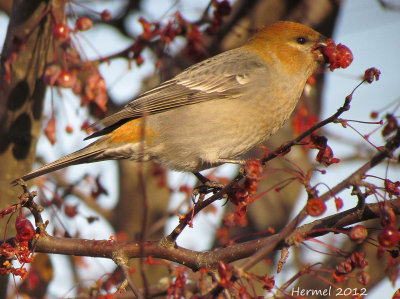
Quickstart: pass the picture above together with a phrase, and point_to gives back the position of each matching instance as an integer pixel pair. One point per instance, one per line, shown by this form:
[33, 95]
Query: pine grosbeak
[213, 112]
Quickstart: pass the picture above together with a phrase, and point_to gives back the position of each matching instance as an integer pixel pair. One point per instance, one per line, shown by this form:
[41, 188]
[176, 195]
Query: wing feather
[191, 86]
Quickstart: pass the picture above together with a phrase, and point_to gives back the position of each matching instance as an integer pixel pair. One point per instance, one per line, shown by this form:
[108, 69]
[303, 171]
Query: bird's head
[293, 47]
[296, 48]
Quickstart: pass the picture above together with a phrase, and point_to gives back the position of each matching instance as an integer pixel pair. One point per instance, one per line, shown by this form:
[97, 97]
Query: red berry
[61, 31]
[106, 15]
[389, 236]
[388, 217]
[69, 129]
[25, 229]
[83, 23]
[315, 207]
[358, 233]
[344, 267]
[363, 278]
[374, 115]
[371, 74]
[339, 56]
[139, 60]
[345, 56]
[65, 79]
[70, 211]
[358, 260]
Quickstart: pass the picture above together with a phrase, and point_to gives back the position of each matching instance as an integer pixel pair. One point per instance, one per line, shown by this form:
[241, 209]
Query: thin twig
[132, 286]
[391, 145]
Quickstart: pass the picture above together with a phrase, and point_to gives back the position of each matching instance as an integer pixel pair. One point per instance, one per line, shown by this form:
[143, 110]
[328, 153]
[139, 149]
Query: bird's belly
[196, 137]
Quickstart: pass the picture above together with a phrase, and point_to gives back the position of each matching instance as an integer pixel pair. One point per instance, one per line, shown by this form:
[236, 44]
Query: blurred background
[104, 199]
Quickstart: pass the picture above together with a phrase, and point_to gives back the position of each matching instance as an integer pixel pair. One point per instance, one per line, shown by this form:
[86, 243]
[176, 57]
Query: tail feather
[85, 155]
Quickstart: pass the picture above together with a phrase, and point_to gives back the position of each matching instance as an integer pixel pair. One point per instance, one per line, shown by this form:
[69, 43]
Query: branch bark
[196, 260]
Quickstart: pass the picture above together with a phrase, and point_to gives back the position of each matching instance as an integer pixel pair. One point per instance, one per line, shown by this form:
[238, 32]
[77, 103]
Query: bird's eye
[301, 40]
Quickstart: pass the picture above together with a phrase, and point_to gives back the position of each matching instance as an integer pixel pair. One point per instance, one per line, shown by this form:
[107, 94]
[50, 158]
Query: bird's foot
[207, 185]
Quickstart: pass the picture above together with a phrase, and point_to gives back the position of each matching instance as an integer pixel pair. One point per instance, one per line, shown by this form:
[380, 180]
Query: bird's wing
[223, 76]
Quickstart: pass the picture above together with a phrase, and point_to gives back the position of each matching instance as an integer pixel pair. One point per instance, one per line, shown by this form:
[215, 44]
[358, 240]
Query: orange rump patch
[131, 132]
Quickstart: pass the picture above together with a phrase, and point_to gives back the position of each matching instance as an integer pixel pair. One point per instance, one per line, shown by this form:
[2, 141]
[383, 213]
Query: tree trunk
[26, 51]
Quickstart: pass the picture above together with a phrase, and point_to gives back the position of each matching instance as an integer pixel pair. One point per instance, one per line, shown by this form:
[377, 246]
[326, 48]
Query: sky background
[373, 35]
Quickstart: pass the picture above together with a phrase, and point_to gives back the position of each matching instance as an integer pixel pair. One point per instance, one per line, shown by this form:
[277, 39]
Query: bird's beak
[319, 55]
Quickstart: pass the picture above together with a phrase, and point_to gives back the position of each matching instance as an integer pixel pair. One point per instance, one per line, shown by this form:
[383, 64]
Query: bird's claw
[209, 186]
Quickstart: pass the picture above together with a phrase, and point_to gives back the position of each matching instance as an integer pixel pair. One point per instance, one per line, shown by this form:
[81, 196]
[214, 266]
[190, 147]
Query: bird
[215, 111]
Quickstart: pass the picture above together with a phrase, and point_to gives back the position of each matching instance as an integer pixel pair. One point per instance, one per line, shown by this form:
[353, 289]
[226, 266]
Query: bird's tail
[90, 153]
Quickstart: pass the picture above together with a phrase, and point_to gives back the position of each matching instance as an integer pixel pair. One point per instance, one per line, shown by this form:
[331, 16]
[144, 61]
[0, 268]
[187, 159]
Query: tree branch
[196, 260]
